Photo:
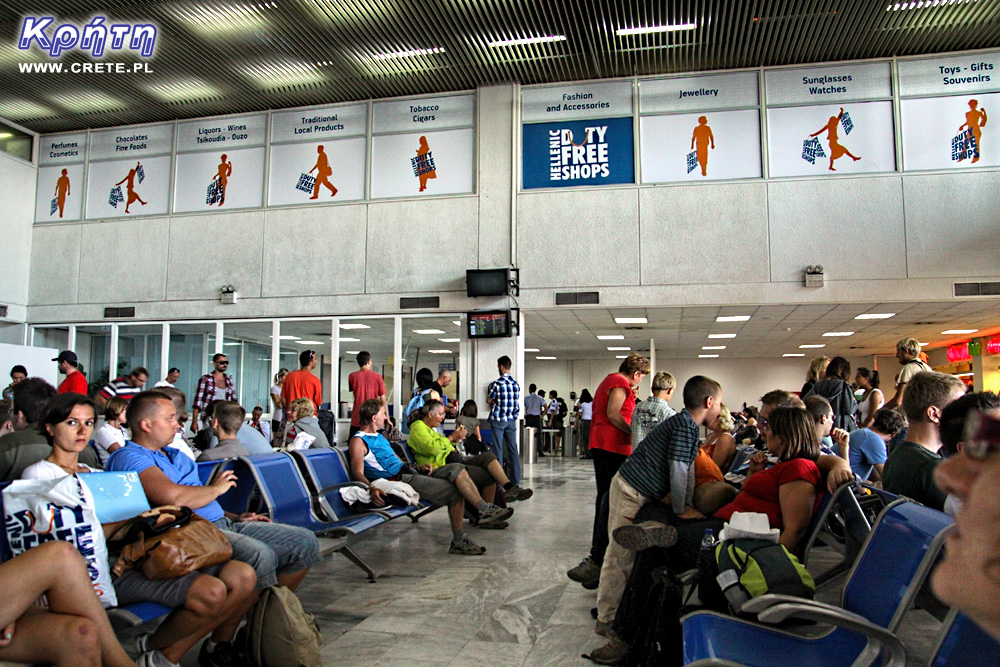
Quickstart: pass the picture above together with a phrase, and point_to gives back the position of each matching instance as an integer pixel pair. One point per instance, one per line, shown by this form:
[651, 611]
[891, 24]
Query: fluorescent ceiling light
[353, 352]
[707, 356]
[839, 333]
[87, 101]
[546, 358]
[631, 320]
[308, 342]
[620, 349]
[428, 332]
[349, 340]
[616, 337]
[531, 349]
[722, 335]
[924, 4]
[812, 347]
[182, 90]
[273, 74]
[286, 337]
[24, 109]
[449, 340]
[440, 351]
[621, 356]
[793, 355]
[960, 332]
[733, 318]
[713, 347]
[231, 344]
[412, 53]
[623, 32]
[457, 323]
[354, 325]
[527, 40]
[875, 316]
[5, 135]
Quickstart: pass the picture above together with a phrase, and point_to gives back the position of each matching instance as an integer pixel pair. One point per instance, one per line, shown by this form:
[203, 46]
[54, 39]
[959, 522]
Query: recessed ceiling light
[707, 356]
[631, 320]
[286, 337]
[349, 340]
[427, 332]
[733, 318]
[621, 356]
[308, 342]
[440, 351]
[960, 332]
[875, 316]
[354, 325]
[713, 347]
[839, 333]
[615, 337]
[229, 344]
[546, 358]
[924, 4]
[793, 355]
[623, 32]
[620, 349]
[412, 53]
[527, 40]
[722, 335]
[812, 347]
[449, 340]
[353, 352]
[457, 323]
[531, 349]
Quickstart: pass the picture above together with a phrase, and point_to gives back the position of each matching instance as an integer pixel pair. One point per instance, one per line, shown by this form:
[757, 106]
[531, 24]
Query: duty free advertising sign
[578, 152]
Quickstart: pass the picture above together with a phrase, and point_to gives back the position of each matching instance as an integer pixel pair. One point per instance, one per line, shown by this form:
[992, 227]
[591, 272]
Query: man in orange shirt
[75, 382]
[302, 383]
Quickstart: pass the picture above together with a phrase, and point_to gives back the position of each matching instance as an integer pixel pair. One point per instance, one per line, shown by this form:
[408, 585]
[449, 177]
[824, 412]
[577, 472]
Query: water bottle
[708, 542]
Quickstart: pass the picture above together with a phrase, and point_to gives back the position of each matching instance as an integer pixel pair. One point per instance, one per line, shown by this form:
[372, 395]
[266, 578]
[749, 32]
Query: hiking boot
[517, 493]
[224, 655]
[466, 547]
[587, 571]
[494, 514]
[592, 584]
[496, 525]
[605, 630]
[611, 653]
[641, 536]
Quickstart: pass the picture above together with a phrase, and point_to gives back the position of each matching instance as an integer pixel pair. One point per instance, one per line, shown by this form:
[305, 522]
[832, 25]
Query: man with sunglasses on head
[214, 386]
[302, 383]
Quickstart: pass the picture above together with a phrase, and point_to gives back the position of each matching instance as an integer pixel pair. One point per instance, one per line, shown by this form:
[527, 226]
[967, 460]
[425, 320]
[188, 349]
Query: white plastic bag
[41, 510]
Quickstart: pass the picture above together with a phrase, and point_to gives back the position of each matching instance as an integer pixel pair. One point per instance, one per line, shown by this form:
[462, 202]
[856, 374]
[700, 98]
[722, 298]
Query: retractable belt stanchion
[528, 443]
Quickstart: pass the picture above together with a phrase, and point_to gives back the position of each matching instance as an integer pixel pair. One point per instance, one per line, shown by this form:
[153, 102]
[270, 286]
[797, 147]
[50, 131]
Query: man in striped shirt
[124, 387]
[662, 464]
[503, 396]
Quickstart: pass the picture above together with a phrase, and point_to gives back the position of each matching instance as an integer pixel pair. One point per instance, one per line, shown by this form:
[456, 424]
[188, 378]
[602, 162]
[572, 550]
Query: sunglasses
[222, 363]
[982, 436]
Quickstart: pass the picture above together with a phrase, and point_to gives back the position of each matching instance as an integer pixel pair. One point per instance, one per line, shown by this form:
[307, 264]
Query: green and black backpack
[750, 568]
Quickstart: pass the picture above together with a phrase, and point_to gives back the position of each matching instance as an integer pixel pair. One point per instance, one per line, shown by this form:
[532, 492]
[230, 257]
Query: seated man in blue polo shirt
[280, 554]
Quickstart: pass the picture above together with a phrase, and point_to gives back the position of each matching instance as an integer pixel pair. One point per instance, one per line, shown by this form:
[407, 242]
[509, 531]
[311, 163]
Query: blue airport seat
[237, 499]
[206, 470]
[840, 508]
[896, 558]
[962, 642]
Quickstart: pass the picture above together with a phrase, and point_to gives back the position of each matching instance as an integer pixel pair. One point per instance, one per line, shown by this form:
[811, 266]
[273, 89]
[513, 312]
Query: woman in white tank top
[872, 400]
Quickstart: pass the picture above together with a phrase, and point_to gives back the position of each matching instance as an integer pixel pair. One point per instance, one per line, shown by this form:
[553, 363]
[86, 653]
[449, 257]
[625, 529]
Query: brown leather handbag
[168, 542]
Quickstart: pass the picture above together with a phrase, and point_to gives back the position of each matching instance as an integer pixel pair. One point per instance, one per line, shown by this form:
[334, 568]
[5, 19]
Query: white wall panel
[55, 264]
[421, 246]
[580, 238]
[16, 215]
[124, 261]
[951, 225]
[334, 258]
[207, 252]
[494, 172]
[852, 227]
[704, 234]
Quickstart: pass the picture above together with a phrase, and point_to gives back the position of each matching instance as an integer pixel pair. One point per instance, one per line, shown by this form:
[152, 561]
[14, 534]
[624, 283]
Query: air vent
[977, 289]
[634, 328]
[3, 311]
[578, 298]
[419, 302]
[125, 311]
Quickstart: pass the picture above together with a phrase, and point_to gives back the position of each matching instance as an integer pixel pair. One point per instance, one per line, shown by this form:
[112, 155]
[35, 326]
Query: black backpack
[660, 640]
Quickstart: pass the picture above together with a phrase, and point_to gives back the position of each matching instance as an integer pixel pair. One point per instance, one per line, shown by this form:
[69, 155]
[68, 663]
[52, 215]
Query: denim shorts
[271, 548]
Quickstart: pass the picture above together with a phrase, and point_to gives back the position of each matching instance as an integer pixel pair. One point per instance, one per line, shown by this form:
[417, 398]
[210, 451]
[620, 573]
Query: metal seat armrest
[335, 487]
[714, 662]
[820, 613]
[759, 604]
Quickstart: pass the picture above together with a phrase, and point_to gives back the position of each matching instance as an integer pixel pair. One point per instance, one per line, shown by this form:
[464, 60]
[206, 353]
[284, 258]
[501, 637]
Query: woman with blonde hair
[817, 369]
[720, 443]
[302, 419]
[277, 413]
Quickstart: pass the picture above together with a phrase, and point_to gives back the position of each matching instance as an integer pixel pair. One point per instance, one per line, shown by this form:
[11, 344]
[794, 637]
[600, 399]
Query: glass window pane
[374, 336]
[139, 346]
[248, 347]
[93, 348]
[15, 142]
[54, 337]
[432, 342]
[191, 350]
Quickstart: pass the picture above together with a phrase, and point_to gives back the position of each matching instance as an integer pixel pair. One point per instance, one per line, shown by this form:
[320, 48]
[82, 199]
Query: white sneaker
[149, 659]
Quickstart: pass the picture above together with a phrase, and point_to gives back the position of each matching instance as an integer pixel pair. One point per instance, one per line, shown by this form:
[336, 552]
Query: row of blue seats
[884, 581]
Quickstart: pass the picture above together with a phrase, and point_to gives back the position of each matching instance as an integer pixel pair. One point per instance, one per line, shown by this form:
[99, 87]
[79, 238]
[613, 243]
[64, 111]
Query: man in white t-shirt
[173, 375]
[908, 353]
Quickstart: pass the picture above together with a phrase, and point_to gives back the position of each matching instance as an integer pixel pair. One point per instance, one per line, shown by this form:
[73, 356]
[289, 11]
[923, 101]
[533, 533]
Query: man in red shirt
[75, 382]
[302, 383]
[364, 384]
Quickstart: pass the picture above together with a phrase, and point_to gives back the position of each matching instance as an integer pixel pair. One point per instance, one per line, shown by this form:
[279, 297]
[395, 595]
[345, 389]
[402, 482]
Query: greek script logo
[94, 37]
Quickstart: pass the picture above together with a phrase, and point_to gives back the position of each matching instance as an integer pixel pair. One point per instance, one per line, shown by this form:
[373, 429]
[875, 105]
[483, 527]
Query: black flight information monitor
[489, 324]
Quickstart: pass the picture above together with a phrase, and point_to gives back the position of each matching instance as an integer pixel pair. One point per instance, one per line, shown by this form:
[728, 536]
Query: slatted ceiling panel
[335, 45]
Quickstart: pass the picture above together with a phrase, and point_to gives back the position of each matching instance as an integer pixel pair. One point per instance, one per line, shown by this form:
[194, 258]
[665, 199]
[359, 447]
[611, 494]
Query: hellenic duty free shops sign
[583, 152]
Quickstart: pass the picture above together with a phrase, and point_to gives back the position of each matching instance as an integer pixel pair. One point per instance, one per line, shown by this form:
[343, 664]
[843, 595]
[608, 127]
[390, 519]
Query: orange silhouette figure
[62, 190]
[225, 171]
[422, 160]
[130, 188]
[975, 119]
[836, 150]
[703, 137]
[323, 172]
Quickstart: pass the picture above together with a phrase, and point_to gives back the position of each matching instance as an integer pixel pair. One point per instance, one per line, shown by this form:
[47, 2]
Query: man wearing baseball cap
[75, 381]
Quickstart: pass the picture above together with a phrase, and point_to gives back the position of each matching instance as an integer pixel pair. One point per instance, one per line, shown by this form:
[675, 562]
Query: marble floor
[512, 606]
